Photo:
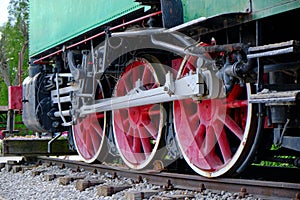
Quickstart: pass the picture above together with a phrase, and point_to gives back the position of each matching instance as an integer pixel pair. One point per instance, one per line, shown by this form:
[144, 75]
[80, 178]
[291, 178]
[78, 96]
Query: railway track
[259, 189]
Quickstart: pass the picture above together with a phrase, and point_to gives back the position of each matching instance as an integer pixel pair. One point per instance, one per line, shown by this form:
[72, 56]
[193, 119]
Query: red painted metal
[176, 64]
[210, 131]
[97, 35]
[15, 97]
[89, 133]
[137, 128]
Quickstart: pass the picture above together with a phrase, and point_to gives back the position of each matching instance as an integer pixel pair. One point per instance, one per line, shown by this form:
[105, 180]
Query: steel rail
[265, 189]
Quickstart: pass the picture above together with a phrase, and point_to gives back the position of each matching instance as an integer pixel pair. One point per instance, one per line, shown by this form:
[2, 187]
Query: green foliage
[18, 19]
[267, 163]
[13, 40]
[20, 126]
[3, 94]
[1, 146]
[12, 46]
[2, 121]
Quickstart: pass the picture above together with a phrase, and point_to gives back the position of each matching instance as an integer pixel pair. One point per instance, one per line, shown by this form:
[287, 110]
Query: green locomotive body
[52, 23]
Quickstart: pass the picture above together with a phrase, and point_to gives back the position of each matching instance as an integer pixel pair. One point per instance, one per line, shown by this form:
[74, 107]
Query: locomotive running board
[291, 46]
[274, 97]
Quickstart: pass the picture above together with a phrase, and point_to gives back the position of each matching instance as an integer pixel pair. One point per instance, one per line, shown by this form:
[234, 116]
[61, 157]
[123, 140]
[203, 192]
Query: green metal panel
[52, 22]
[194, 9]
[265, 8]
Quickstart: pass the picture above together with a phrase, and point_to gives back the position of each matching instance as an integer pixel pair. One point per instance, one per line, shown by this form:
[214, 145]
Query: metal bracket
[169, 86]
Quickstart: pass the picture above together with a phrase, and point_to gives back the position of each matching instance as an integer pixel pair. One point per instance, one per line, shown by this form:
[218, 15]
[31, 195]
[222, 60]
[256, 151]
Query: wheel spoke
[234, 127]
[145, 75]
[199, 158]
[212, 133]
[89, 133]
[237, 104]
[209, 141]
[122, 116]
[81, 141]
[185, 127]
[136, 147]
[152, 130]
[137, 130]
[98, 131]
[200, 134]
[152, 113]
[144, 136]
[127, 145]
[94, 137]
[126, 89]
[222, 141]
[87, 140]
[235, 93]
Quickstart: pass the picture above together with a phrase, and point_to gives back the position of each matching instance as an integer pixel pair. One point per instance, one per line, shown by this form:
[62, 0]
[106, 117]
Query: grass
[285, 160]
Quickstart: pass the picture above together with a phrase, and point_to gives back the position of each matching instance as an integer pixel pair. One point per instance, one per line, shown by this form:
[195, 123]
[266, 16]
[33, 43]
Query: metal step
[291, 46]
[274, 97]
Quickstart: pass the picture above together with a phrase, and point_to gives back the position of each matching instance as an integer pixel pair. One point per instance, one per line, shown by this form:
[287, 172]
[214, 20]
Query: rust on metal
[140, 179]
[169, 185]
[202, 187]
[114, 175]
[77, 169]
[62, 166]
[158, 165]
[95, 171]
[297, 196]
[243, 192]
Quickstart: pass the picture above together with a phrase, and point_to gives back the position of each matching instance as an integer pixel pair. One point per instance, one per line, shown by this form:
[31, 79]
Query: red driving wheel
[214, 135]
[89, 133]
[137, 130]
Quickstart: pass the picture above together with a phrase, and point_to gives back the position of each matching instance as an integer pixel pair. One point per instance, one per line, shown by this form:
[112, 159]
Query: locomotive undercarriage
[209, 104]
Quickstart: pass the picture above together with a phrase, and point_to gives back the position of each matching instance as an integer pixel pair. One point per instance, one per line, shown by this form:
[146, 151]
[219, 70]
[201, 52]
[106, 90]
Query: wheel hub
[137, 130]
[135, 116]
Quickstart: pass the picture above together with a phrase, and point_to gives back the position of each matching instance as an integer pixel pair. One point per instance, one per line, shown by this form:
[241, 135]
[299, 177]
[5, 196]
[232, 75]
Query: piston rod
[191, 86]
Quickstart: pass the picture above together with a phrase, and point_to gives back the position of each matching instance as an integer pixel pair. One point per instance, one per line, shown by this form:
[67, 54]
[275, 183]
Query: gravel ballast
[26, 186]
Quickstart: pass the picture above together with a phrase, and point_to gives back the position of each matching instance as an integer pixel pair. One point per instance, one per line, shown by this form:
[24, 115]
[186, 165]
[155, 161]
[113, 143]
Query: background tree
[13, 41]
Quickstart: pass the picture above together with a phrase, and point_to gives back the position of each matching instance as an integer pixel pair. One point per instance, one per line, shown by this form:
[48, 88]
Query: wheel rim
[137, 130]
[89, 133]
[214, 134]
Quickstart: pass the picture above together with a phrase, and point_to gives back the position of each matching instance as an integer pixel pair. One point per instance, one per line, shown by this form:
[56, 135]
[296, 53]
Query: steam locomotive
[212, 82]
